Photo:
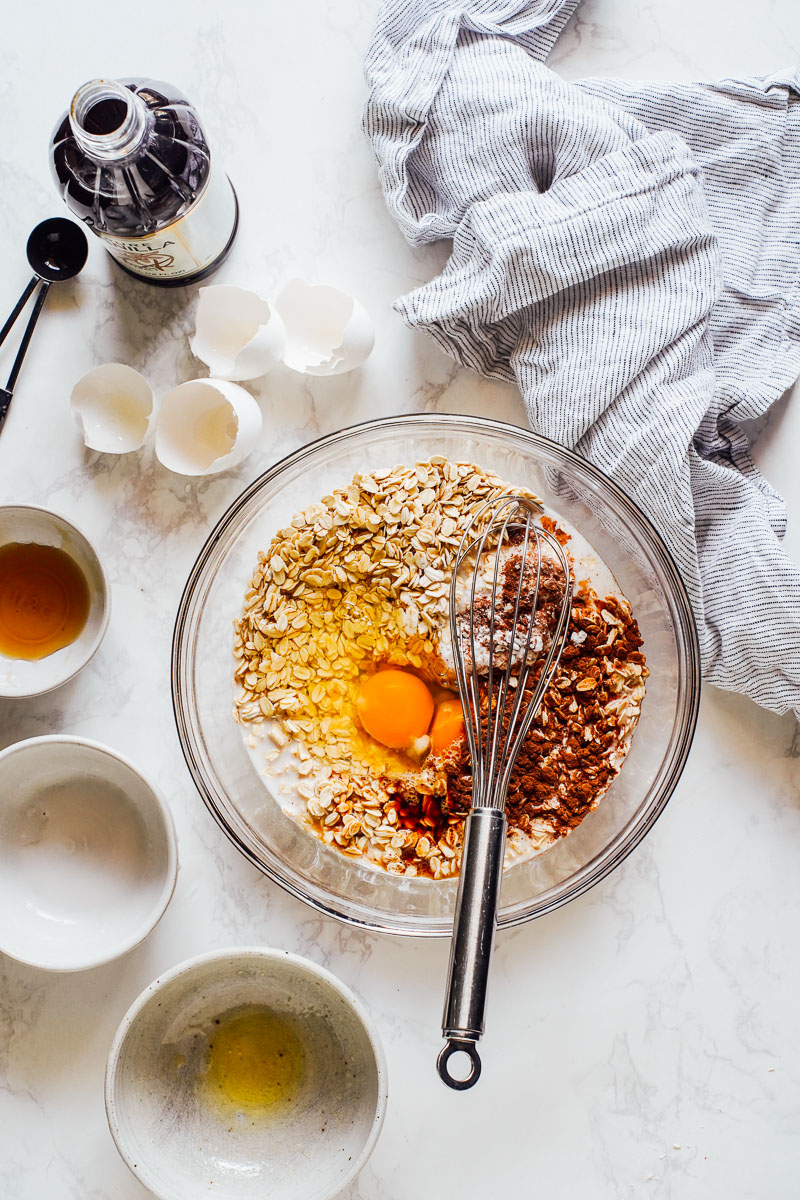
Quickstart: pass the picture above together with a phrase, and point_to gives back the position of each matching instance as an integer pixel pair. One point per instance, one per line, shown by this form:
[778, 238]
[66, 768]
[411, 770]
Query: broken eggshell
[206, 426]
[237, 334]
[327, 331]
[115, 407]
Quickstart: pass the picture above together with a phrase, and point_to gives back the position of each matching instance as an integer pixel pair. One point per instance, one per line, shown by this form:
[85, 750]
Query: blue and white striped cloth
[628, 253]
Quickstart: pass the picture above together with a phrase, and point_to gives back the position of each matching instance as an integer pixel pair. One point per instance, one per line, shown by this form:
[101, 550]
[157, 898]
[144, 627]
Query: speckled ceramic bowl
[183, 1143]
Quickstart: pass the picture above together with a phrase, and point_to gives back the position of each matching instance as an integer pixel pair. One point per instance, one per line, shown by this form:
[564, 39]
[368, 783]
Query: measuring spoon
[57, 250]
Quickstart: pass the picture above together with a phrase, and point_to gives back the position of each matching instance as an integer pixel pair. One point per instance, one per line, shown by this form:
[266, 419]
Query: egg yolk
[448, 726]
[395, 708]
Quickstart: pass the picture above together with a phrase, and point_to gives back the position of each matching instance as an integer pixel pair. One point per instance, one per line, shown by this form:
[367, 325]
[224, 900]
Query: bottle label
[189, 244]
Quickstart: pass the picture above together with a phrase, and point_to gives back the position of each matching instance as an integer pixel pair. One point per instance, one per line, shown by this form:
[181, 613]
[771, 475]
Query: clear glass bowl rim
[690, 679]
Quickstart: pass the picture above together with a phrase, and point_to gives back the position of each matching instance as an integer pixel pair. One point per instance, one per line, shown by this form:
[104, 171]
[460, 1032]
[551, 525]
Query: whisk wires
[499, 714]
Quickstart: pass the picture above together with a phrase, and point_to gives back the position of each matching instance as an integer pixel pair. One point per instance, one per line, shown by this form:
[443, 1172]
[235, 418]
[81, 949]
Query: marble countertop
[643, 1041]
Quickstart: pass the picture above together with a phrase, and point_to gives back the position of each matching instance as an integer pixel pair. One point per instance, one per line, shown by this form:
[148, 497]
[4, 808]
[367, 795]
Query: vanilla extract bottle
[132, 161]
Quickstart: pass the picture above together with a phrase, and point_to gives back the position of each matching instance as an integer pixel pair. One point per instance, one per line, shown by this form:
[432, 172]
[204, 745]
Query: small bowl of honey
[54, 601]
[246, 1073]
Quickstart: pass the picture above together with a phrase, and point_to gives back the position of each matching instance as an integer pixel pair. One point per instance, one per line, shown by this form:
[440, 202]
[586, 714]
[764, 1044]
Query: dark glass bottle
[131, 159]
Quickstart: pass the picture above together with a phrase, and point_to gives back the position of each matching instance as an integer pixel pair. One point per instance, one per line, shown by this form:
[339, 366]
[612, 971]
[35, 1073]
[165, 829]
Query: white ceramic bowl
[182, 1143]
[27, 523]
[88, 854]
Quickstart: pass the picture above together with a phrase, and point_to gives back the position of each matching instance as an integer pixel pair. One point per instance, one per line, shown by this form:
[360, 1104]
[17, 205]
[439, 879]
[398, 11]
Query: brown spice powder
[566, 761]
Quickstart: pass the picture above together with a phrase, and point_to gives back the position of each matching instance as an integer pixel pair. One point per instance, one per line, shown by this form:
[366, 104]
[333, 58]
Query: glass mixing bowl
[202, 670]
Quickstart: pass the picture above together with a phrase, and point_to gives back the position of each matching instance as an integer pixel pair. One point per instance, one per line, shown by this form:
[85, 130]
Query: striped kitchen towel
[628, 254]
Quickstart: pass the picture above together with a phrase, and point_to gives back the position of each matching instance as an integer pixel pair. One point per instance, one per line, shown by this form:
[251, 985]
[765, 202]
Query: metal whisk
[509, 612]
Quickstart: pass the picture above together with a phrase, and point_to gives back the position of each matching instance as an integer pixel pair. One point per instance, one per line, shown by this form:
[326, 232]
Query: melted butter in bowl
[246, 1073]
[256, 1062]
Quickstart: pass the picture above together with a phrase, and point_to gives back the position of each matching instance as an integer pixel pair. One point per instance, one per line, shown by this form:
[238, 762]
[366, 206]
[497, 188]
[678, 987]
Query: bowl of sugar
[88, 854]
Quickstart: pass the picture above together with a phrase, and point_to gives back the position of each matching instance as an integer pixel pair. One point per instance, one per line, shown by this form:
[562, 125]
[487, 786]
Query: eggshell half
[327, 331]
[115, 408]
[238, 335]
[206, 426]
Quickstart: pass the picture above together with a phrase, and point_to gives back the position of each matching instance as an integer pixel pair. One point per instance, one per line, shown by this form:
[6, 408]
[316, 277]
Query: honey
[256, 1061]
[44, 600]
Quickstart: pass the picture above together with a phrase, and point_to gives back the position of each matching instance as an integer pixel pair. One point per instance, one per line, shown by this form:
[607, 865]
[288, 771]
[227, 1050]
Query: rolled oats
[358, 580]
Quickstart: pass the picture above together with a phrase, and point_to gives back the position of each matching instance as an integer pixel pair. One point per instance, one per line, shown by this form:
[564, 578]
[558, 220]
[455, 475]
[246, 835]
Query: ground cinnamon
[567, 759]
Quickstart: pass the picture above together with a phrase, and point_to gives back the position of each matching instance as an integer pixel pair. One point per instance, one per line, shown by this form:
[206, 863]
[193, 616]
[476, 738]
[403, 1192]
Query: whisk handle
[473, 939]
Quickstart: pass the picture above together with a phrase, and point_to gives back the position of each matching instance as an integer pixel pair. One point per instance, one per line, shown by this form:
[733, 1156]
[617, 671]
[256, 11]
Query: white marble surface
[642, 1042]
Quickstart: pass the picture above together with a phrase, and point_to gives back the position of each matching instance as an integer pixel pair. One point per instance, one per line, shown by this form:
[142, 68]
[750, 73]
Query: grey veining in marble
[642, 1042]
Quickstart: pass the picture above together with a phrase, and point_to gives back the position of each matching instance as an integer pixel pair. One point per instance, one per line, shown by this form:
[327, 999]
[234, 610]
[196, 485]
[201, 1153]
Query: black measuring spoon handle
[5, 404]
[8, 391]
[18, 307]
